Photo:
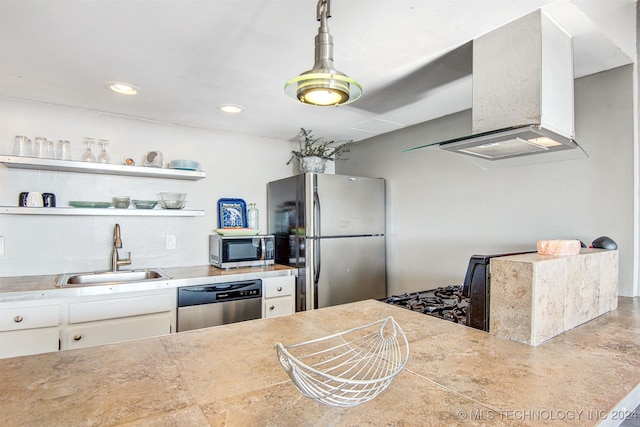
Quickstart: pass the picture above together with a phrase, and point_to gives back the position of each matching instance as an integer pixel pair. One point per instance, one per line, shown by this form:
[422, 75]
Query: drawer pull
[279, 288]
[18, 319]
[77, 337]
[271, 307]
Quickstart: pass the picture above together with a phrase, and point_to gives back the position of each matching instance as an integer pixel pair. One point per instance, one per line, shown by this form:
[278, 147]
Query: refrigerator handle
[316, 215]
[316, 240]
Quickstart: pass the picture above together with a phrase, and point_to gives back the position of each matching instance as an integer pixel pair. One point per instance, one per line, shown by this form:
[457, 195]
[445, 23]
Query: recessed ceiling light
[230, 108]
[123, 88]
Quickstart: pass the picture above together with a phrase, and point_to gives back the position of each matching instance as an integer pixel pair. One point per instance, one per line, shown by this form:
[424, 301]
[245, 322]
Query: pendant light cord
[323, 8]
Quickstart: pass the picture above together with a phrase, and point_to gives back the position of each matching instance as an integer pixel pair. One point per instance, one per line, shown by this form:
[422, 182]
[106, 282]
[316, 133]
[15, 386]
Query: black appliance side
[286, 222]
[477, 286]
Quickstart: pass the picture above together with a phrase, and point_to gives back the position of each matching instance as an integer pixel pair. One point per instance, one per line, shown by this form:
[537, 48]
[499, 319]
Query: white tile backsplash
[236, 166]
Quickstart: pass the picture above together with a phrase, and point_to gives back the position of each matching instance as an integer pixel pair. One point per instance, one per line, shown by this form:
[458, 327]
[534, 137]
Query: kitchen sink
[110, 277]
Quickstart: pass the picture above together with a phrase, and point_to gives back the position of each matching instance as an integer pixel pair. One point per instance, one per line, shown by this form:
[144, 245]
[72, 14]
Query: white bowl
[144, 204]
[173, 197]
[173, 204]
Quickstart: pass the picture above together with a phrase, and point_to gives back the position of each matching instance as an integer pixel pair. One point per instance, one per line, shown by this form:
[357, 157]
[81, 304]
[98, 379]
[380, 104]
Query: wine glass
[103, 157]
[87, 155]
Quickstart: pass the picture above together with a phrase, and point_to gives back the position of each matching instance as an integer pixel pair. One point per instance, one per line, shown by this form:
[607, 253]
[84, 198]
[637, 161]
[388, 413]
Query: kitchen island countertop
[230, 375]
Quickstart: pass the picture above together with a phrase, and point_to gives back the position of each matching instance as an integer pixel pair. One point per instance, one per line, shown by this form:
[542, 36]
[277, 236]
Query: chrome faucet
[116, 262]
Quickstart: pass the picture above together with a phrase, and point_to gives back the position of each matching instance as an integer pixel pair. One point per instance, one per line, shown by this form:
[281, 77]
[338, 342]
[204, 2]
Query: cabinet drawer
[119, 307]
[17, 318]
[32, 341]
[278, 307]
[278, 286]
[116, 330]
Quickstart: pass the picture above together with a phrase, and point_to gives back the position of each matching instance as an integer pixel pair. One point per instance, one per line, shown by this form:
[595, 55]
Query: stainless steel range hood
[510, 142]
[523, 101]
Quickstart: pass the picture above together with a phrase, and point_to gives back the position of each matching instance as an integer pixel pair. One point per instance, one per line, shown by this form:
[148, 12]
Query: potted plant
[313, 153]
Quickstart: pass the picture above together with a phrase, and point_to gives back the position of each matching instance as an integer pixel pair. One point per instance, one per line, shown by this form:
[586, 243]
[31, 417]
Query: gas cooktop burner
[444, 302]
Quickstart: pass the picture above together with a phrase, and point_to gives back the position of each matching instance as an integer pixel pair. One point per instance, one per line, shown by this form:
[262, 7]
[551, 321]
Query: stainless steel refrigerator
[332, 228]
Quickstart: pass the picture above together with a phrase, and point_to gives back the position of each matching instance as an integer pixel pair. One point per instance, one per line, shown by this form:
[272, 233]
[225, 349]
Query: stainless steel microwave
[241, 251]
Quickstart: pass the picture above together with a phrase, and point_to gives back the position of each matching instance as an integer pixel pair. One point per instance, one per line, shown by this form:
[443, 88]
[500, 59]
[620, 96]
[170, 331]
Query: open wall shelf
[13, 210]
[98, 168]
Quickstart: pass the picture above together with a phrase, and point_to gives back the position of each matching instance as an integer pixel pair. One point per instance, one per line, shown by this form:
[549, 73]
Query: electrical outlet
[1, 245]
[170, 240]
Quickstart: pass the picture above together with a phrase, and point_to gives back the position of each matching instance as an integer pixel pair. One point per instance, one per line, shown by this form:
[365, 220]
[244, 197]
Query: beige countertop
[29, 287]
[230, 375]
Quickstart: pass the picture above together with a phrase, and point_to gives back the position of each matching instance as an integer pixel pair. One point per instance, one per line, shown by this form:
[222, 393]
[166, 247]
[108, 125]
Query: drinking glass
[22, 146]
[48, 150]
[87, 155]
[39, 147]
[64, 150]
[103, 157]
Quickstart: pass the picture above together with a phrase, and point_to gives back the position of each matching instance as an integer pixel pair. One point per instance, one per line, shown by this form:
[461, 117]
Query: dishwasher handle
[220, 292]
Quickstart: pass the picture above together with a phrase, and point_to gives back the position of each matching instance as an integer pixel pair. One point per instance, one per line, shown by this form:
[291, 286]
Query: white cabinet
[278, 296]
[115, 330]
[111, 307]
[28, 328]
[109, 319]
[33, 327]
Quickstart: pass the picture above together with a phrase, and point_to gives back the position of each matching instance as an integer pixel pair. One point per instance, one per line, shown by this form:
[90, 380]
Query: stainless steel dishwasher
[211, 305]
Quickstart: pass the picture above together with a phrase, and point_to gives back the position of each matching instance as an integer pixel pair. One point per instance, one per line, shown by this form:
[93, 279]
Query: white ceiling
[190, 56]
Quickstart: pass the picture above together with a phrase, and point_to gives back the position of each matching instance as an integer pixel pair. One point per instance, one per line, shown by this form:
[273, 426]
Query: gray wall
[442, 208]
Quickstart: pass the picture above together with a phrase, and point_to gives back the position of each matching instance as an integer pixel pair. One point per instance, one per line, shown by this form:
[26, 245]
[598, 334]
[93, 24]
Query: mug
[22, 199]
[35, 200]
[49, 200]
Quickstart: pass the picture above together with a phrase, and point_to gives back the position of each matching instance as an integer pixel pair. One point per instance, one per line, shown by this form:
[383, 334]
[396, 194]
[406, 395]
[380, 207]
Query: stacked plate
[187, 165]
[83, 204]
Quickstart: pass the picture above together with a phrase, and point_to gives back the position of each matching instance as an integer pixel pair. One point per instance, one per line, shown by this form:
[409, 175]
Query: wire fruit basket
[348, 368]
